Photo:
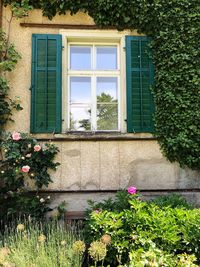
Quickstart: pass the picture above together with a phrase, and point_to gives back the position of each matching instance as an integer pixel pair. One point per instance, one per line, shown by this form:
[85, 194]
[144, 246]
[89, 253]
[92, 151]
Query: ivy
[174, 26]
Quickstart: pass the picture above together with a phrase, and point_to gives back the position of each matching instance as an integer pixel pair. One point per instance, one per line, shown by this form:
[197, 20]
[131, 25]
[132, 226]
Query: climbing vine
[8, 60]
[174, 26]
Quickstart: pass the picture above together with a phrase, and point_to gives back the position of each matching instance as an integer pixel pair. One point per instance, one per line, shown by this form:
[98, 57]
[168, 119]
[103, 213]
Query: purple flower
[132, 190]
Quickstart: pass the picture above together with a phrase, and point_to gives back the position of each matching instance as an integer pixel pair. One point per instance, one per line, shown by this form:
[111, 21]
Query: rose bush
[25, 162]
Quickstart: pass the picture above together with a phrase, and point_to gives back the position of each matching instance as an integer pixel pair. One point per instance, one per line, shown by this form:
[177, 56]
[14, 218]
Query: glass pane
[80, 57]
[106, 58]
[107, 89]
[107, 116]
[80, 118]
[80, 89]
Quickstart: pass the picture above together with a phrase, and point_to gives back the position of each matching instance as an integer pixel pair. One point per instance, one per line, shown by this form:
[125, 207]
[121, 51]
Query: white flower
[42, 200]
[48, 197]
[2, 171]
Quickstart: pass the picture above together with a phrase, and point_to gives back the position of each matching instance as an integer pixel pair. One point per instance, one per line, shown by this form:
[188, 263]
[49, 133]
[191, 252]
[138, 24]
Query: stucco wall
[91, 165]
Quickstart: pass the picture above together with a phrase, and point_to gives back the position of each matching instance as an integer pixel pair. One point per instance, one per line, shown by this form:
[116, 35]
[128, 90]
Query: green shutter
[46, 83]
[140, 77]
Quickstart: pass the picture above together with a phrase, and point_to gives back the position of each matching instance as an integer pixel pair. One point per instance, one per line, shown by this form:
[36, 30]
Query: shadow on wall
[160, 174]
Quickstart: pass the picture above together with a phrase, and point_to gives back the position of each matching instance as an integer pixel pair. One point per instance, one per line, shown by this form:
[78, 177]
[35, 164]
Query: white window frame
[93, 74]
[101, 37]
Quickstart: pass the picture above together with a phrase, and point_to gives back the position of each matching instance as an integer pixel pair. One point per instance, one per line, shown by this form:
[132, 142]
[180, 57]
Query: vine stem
[8, 35]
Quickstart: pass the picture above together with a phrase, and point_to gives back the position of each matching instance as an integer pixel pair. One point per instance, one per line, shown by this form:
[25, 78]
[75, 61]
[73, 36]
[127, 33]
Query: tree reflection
[107, 112]
[107, 115]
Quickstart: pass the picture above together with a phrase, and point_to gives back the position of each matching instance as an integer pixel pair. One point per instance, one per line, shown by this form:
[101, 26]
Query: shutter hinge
[124, 48]
[63, 47]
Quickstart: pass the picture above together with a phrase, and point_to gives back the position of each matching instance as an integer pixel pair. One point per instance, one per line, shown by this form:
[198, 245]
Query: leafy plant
[156, 257]
[173, 230]
[25, 163]
[8, 59]
[36, 244]
[172, 200]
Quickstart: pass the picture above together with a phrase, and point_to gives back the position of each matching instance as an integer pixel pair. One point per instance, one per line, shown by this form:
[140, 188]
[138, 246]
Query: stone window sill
[94, 136]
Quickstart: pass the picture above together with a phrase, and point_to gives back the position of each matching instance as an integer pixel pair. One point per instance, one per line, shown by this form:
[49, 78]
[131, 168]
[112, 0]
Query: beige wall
[91, 165]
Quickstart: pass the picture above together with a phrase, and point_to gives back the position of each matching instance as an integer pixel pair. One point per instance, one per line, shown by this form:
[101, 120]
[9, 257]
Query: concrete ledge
[94, 136]
[77, 202]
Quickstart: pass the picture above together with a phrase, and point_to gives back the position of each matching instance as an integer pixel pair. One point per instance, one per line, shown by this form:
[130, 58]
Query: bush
[43, 245]
[25, 162]
[173, 230]
[156, 257]
[172, 200]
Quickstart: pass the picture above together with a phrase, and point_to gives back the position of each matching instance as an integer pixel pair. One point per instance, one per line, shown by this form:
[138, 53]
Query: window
[91, 82]
[93, 87]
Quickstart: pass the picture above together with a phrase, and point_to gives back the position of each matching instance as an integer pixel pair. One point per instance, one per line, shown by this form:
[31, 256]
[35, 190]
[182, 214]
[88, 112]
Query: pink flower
[37, 148]
[16, 136]
[25, 168]
[132, 190]
[97, 210]
[28, 155]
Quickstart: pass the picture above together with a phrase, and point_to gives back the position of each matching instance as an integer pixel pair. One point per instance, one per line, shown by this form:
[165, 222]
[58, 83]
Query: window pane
[80, 89]
[80, 118]
[106, 58]
[107, 89]
[107, 117]
[80, 57]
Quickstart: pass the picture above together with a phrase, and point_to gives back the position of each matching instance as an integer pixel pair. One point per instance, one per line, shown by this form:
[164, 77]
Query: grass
[40, 245]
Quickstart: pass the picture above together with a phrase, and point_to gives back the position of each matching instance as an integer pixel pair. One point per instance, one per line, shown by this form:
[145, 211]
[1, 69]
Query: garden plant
[36, 244]
[143, 233]
[25, 167]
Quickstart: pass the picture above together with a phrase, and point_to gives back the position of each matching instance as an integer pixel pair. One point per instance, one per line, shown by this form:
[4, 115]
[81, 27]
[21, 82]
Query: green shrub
[156, 257]
[8, 60]
[25, 162]
[172, 200]
[173, 230]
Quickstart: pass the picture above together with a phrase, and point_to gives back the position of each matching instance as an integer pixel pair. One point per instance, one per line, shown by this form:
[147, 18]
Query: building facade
[88, 91]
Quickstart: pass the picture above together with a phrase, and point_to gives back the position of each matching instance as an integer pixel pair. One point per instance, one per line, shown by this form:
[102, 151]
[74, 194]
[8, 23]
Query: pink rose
[25, 168]
[37, 148]
[28, 155]
[132, 190]
[16, 136]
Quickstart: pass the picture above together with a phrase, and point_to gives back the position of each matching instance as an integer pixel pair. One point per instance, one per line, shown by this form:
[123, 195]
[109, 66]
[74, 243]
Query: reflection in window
[80, 119]
[80, 89]
[107, 104]
[107, 85]
[80, 58]
[106, 58]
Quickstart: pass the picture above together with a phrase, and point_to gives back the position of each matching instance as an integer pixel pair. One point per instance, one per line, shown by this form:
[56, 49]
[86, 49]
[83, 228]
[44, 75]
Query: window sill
[94, 136]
